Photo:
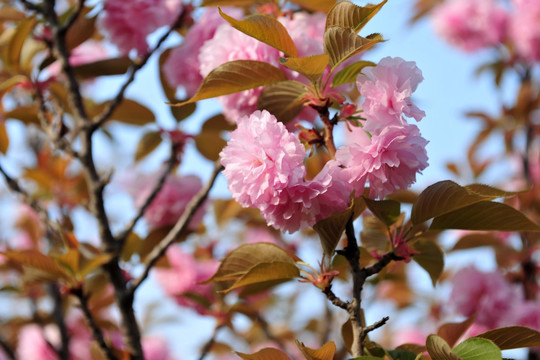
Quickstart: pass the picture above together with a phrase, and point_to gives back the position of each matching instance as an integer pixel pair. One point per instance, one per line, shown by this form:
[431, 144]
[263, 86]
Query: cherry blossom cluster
[474, 25]
[264, 161]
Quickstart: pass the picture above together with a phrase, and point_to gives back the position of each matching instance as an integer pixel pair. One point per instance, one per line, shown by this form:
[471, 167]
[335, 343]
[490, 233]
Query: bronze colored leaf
[387, 211]
[35, 259]
[236, 76]
[4, 138]
[451, 332]
[107, 67]
[16, 43]
[446, 196]
[209, 141]
[513, 337]
[240, 3]
[148, 143]
[316, 5]
[8, 13]
[325, 352]
[350, 72]
[82, 29]
[438, 349]
[128, 112]
[345, 14]
[266, 273]
[285, 99]
[474, 240]
[485, 215]
[265, 29]
[265, 354]
[312, 67]
[430, 258]
[343, 43]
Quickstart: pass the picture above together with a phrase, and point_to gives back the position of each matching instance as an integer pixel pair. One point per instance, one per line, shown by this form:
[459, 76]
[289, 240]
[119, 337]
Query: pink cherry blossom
[386, 162]
[183, 276]
[33, 346]
[386, 90]
[488, 295]
[229, 44]
[182, 66]
[128, 23]
[525, 29]
[171, 200]
[155, 348]
[306, 31]
[471, 25]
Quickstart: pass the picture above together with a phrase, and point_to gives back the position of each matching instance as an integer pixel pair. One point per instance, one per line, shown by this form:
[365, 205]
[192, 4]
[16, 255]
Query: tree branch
[208, 345]
[58, 317]
[171, 162]
[96, 331]
[180, 226]
[334, 299]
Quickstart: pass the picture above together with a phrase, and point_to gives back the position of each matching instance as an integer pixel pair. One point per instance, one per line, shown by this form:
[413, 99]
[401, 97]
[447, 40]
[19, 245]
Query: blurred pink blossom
[525, 29]
[471, 25]
[181, 279]
[306, 31]
[87, 52]
[387, 89]
[33, 346]
[155, 348]
[182, 67]
[387, 162]
[488, 295]
[128, 23]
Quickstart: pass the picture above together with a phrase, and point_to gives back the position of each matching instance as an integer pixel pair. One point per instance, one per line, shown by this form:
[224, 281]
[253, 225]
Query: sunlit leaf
[478, 349]
[8, 13]
[430, 258]
[446, 196]
[93, 264]
[285, 99]
[387, 211]
[70, 260]
[513, 337]
[439, 349]
[316, 5]
[374, 235]
[266, 273]
[12, 81]
[345, 14]
[265, 29]
[209, 141]
[342, 44]
[485, 215]
[37, 260]
[331, 229]
[265, 354]
[312, 67]
[15, 45]
[451, 332]
[4, 138]
[107, 67]
[236, 76]
[325, 352]
[350, 72]
[148, 143]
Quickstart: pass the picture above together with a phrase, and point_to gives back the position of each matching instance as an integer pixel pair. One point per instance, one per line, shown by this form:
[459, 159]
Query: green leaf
[316, 5]
[265, 29]
[107, 67]
[485, 215]
[430, 258]
[325, 352]
[342, 44]
[345, 14]
[148, 143]
[331, 229]
[285, 99]
[265, 354]
[236, 76]
[451, 332]
[402, 355]
[350, 72]
[478, 349]
[312, 67]
[446, 196]
[387, 211]
[209, 141]
[513, 337]
[438, 349]
[255, 263]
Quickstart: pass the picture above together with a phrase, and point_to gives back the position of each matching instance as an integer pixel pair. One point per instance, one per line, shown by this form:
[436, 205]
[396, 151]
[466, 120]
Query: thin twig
[58, 316]
[171, 162]
[208, 345]
[96, 331]
[374, 326]
[32, 6]
[69, 23]
[334, 299]
[99, 119]
[180, 226]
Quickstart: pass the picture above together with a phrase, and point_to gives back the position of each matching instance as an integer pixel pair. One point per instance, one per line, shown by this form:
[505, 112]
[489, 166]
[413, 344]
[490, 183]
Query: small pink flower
[33, 346]
[182, 68]
[388, 162]
[155, 348]
[525, 29]
[387, 89]
[128, 23]
[182, 279]
[488, 295]
[471, 25]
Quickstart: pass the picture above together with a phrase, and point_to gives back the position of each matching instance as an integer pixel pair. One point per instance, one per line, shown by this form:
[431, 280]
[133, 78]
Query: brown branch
[374, 326]
[208, 345]
[180, 226]
[58, 316]
[69, 23]
[31, 6]
[96, 331]
[328, 130]
[171, 162]
[334, 299]
[99, 119]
